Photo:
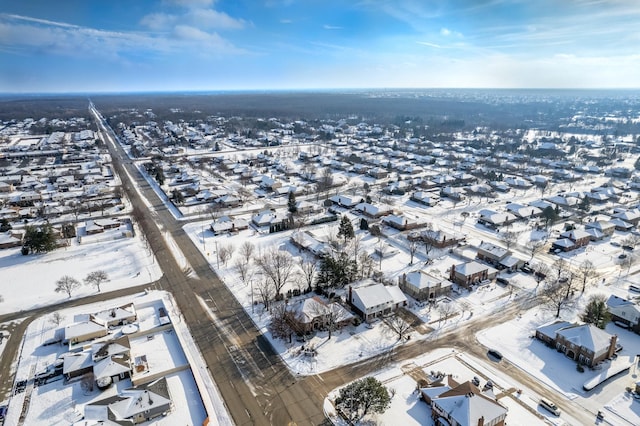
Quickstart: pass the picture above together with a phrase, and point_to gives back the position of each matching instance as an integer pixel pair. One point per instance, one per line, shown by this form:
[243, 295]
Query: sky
[209, 45]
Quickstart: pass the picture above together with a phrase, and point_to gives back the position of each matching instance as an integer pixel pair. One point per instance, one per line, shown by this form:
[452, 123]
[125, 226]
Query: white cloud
[286, 21]
[190, 3]
[20, 34]
[201, 18]
[331, 27]
[426, 43]
[445, 31]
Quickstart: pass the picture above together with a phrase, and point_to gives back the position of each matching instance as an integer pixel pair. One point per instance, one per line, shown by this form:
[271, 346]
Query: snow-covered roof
[422, 280]
[587, 336]
[467, 405]
[112, 366]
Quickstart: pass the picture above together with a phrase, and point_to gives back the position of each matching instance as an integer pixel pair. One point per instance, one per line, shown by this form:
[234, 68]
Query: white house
[376, 300]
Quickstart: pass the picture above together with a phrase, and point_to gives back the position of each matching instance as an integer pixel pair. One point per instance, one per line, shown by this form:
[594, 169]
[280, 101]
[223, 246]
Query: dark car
[3, 412]
[527, 269]
[495, 354]
[502, 281]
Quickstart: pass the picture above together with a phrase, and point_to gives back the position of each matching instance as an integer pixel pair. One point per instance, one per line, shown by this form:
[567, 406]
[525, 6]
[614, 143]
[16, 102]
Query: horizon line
[308, 90]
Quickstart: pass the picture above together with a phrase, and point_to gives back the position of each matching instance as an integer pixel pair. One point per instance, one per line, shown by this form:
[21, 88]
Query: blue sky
[148, 45]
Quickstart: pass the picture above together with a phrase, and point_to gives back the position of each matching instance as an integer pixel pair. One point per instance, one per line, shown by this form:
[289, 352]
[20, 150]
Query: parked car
[634, 288]
[627, 248]
[495, 354]
[3, 412]
[550, 406]
[527, 269]
[502, 281]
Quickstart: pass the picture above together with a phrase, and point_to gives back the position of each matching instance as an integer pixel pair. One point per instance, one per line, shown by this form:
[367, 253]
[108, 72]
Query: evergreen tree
[362, 397]
[4, 225]
[291, 203]
[596, 312]
[40, 239]
[345, 229]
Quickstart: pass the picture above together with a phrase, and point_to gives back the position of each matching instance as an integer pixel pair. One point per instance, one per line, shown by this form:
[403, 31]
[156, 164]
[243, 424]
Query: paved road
[255, 385]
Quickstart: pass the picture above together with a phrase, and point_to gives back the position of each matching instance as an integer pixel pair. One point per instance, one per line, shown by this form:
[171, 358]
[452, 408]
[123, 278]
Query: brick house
[463, 404]
[469, 273]
[423, 286]
[584, 343]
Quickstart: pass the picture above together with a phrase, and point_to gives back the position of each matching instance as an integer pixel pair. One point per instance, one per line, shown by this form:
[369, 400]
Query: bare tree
[534, 247]
[246, 251]
[67, 284]
[283, 321]
[244, 270]
[586, 273]
[413, 248]
[559, 266]
[277, 266]
[56, 318]
[265, 290]
[556, 294]
[540, 272]
[96, 278]
[445, 309]
[332, 314]
[224, 253]
[398, 326]
[509, 238]
[309, 269]
[429, 238]
[366, 265]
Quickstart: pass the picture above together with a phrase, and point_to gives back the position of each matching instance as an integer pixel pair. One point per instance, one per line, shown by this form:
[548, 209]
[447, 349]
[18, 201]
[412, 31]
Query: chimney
[481, 421]
[350, 294]
[612, 345]
[452, 274]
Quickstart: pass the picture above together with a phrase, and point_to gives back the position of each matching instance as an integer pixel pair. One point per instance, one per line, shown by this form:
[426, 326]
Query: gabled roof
[422, 280]
[467, 405]
[112, 366]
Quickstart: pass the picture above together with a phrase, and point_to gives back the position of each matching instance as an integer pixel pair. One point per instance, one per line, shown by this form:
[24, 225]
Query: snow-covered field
[29, 281]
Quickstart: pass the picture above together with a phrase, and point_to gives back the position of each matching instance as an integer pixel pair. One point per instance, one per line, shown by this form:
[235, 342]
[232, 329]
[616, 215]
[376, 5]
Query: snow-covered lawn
[29, 281]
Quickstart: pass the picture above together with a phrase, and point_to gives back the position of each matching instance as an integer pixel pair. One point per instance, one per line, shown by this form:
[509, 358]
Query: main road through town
[254, 382]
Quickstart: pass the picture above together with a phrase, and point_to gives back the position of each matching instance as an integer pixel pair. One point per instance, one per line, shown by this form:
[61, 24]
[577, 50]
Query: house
[499, 257]
[584, 343]
[306, 241]
[373, 210]
[226, 224]
[401, 222]
[269, 218]
[621, 225]
[605, 227]
[624, 312]
[8, 240]
[376, 300]
[436, 238]
[84, 331]
[563, 244]
[464, 405]
[469, 273]
[77, 364]
[426, 198]
[112, 369]
[491, 253]
[524, 212]
[423, 286]
[135, 405]
[494, 219]
[315, 313]
[629, 216]
[92, 228]
[121, 315]
[579, 237]
[344, 201]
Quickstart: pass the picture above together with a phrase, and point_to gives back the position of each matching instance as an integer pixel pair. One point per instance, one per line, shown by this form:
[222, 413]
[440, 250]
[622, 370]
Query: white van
[550, 406]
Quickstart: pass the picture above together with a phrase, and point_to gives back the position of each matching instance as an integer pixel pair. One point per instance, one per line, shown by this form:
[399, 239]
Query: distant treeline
[441, 110]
